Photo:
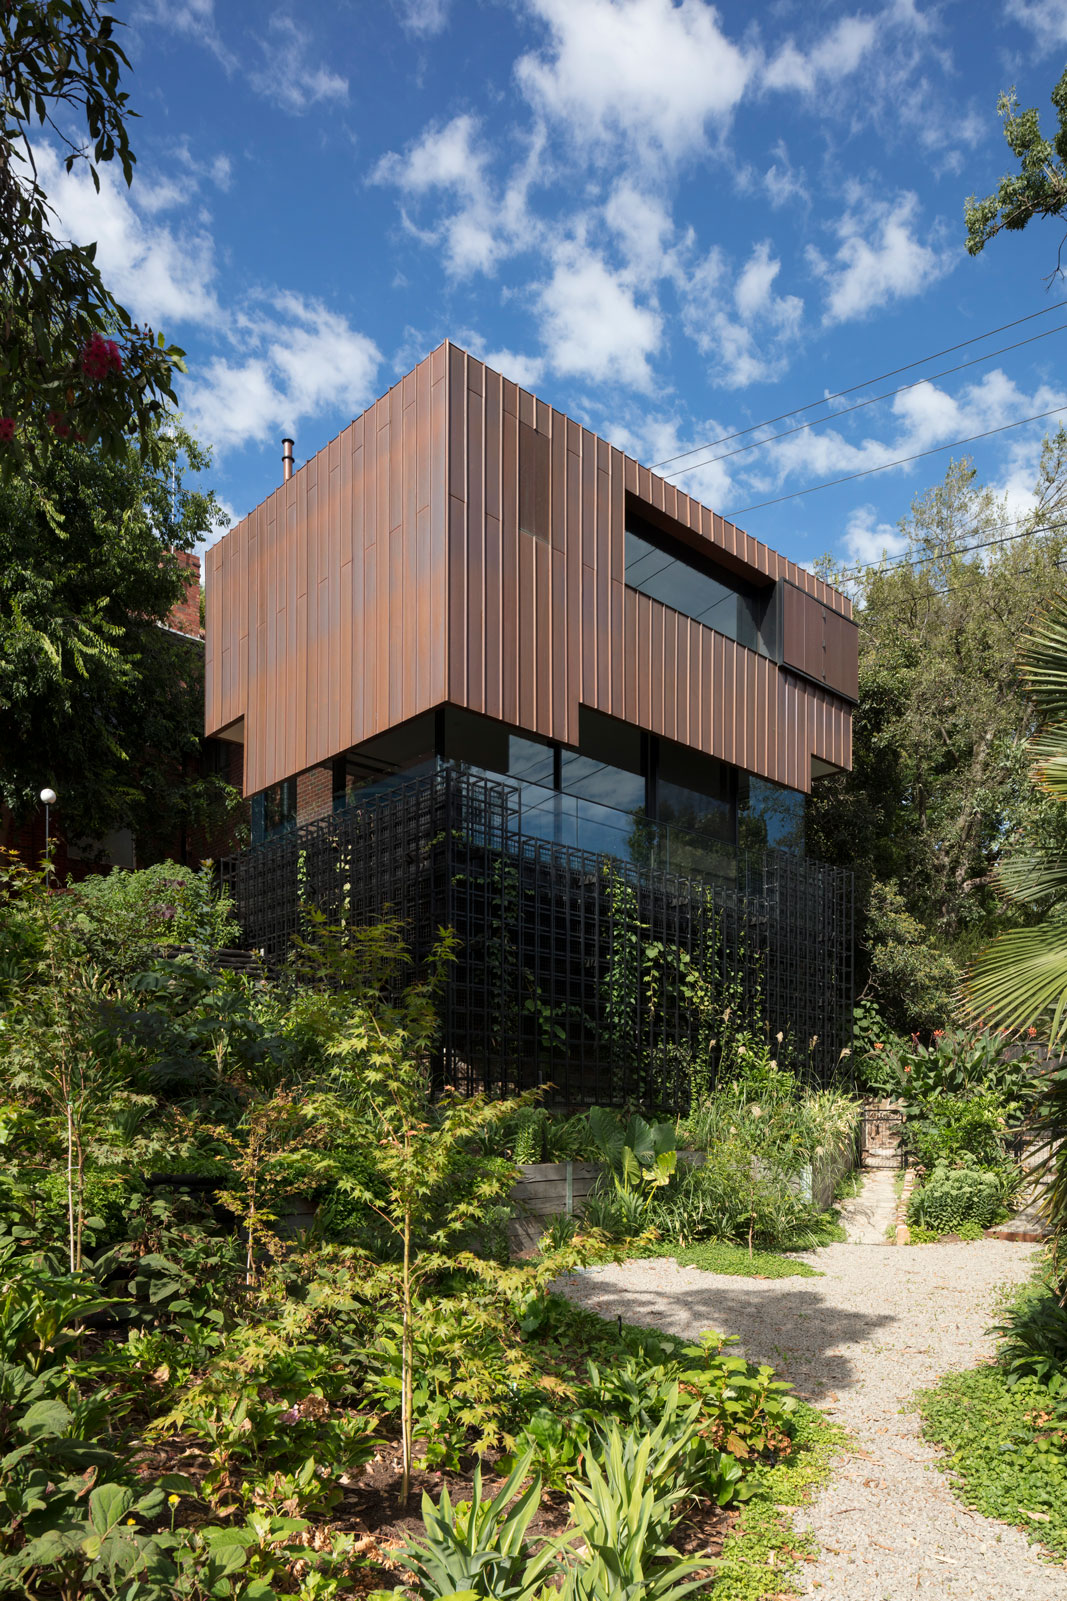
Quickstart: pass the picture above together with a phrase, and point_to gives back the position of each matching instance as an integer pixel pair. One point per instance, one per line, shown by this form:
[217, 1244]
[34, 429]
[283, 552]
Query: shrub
[738, 1199]
[952, 1197]
[1032, 1335]
[123, 914]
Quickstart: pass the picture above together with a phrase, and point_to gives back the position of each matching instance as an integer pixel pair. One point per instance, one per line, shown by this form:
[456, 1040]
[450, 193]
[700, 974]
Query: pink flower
[7, 429]
[100, 357]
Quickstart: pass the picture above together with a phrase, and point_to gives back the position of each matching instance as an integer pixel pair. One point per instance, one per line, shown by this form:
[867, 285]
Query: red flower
[879, 1046]
[908, 1068]
[1031, 1033]
[55, 421]
[100, 357]
[938, 1033]
[7, 429]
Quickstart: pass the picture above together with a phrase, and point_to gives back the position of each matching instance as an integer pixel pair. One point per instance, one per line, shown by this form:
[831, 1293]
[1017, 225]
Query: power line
[919, 455]
[891, 563]
[873, 400]
[711, 444]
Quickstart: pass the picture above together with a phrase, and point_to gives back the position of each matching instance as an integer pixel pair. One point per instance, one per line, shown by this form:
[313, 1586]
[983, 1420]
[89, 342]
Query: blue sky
[670, 220]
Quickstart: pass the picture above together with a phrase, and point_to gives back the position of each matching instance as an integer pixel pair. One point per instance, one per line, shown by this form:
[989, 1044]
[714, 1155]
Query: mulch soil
[372, 1511]
[371, 1507]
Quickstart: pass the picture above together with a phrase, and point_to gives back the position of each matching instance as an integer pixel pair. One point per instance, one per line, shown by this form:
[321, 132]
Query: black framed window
[663, 569]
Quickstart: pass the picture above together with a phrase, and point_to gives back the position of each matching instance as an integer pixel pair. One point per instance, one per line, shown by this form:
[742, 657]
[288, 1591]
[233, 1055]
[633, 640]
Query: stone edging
[903, 1233]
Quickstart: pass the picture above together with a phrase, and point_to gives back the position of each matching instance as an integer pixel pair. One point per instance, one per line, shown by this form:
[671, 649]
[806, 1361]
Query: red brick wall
[314, 794]
[186, 614]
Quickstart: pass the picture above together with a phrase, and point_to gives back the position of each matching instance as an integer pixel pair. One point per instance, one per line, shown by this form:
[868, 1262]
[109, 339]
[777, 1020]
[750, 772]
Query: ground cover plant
[1003, 1426]
[256, 1297]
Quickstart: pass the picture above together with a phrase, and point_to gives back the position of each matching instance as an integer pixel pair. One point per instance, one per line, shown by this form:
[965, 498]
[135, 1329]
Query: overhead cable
[902, 461]
[795, 411]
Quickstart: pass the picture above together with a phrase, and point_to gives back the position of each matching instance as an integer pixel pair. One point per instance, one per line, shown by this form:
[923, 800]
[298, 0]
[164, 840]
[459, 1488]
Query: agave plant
[479, 1547]
[1020, 980]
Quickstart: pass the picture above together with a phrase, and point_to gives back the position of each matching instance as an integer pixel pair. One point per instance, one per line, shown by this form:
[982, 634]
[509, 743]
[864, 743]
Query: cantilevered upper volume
[464, 566]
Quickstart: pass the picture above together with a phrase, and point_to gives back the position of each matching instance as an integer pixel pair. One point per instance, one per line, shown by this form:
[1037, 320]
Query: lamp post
[48, 796]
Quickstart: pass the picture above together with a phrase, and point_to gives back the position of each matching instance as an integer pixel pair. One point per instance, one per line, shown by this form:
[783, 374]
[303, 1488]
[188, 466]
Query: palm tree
[1020, 980]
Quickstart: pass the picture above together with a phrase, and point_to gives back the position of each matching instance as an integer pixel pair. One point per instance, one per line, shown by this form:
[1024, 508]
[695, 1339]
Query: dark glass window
[274, 811]
[683, 580]
[608, 767]
[769, 816]
[695, 792]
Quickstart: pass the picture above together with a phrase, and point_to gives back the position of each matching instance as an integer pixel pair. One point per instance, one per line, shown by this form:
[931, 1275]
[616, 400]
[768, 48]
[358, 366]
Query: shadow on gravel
[793, 1330]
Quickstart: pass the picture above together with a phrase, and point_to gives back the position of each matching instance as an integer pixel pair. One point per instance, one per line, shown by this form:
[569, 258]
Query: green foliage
[715, 1257]
[938, 789]
[1006, 1446]
[623, 1512]
[480, 1546]
[61, 70]
[762, 1555]
[124, 916]
[1038, 188]
[1032, 1335]
[97, 698]
[910, 979]
[953, 1197]
[640, 1157]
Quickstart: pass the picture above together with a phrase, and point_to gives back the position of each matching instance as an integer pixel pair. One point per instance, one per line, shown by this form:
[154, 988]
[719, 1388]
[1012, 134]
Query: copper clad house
[468, 591]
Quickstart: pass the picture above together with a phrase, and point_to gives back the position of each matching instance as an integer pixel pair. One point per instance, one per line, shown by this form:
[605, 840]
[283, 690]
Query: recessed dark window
[274, 811]
[608, 766]
[694, 792]
[666, 571]
[769, 816]
[534, 503]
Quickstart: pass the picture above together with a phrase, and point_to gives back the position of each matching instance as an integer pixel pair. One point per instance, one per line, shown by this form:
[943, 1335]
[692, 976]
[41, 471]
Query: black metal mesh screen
[590, 977]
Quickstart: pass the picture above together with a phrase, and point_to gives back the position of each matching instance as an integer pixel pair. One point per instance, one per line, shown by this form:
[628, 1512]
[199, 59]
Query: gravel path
[882, 1323]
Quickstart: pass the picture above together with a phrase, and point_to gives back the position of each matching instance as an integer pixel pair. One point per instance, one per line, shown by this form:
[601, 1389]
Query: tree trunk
[406, 1357]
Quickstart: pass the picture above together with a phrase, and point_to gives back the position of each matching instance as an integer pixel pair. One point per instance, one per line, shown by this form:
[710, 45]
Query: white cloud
[478, 224]
[755, 340]
[835, 56]
[592, 325]
[881, 256]
[868, 540]
[278, 63]
[296, 357]
[643, 227]
[526, 371]
[648, 73]
[782, 181]
[300, 359]
[288, 76]
[1046, 19]
[159, 274]
[423, 17]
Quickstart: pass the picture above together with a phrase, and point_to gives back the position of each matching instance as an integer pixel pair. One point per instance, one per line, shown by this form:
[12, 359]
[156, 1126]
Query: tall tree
[96, 698]
[73, 364]
[939, 783]
[1038, 188]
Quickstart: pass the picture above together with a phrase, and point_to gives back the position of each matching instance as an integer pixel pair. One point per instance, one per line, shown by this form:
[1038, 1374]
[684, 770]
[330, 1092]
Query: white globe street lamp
[48, 796]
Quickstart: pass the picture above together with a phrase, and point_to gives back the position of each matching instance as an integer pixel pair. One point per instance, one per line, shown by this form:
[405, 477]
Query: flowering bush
[7, 428]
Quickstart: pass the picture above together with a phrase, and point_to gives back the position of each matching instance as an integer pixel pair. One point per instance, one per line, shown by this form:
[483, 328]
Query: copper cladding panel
[552, 617]
[819, 642]
[391, 574]
[327, 605]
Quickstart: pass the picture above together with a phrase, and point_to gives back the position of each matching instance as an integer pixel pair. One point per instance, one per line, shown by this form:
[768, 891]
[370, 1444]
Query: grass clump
[711, 1256]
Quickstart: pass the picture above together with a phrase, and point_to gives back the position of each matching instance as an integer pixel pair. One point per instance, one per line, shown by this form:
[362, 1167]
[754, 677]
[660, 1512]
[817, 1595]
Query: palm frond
[1033, 876]
[1021, 979]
